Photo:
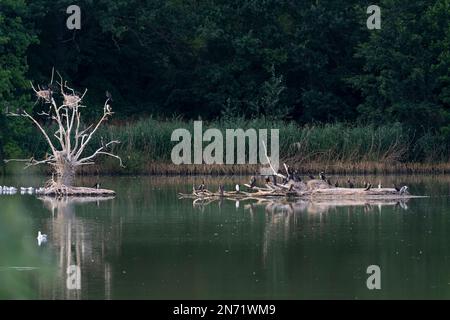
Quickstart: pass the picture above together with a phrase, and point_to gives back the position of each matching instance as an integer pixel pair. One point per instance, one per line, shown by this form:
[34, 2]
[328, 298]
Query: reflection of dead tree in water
[68, 143]
[82, 245]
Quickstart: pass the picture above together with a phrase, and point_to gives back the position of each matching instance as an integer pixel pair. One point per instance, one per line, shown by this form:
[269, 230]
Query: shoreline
[168, 169]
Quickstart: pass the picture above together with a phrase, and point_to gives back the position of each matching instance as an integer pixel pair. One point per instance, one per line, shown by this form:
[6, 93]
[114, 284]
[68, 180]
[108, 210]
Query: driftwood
[292, 187]
[322, 193]
[76, 192]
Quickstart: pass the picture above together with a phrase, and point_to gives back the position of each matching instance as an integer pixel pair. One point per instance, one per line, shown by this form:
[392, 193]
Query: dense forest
[308, 63]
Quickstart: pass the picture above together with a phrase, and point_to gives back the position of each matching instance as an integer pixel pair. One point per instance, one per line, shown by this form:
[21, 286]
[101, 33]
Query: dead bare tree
[69, 141]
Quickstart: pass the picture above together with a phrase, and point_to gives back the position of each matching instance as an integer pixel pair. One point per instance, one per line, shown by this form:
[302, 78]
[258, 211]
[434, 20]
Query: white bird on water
[41, 238]
[8, 190]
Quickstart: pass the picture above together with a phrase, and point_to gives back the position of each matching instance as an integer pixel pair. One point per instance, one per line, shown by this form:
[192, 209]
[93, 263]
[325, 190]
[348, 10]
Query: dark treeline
[309, 61]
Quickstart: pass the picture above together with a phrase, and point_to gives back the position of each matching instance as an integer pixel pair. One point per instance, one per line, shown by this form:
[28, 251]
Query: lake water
[148, 244]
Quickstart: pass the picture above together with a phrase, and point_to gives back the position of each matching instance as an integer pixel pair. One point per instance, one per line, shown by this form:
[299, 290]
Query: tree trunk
[65, 172]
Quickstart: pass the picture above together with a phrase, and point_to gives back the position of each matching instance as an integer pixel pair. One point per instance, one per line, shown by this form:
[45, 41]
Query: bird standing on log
[322, 176]
[252, 182]
[350, 184]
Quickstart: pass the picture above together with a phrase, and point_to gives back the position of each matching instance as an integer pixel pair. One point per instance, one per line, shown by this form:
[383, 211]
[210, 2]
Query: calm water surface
[148, 244]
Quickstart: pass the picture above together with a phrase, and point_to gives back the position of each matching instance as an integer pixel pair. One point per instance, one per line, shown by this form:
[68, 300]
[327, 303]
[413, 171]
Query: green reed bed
[146, 147]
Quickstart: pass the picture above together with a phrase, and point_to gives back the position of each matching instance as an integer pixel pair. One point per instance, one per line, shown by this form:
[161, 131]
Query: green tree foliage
[307, 61]
[406, 65]
[191, 57]
[15, 37]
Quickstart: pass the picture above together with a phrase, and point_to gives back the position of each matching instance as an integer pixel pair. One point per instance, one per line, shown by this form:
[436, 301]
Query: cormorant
[201, 187]
[369, 185]
[350, 184]
[336, 185]
[329, 182]
[96, 186]
[297, 177]
[267, 179]
[109, 96]
[252, 182]
[396, 188]
[379, 185]
[322, 176]
[403, 189]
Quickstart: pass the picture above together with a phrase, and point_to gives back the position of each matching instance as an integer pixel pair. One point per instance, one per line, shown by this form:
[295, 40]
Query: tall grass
[146, 147]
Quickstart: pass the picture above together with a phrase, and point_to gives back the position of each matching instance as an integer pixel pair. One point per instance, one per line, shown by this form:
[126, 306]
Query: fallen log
[75, 192]
[320, 193]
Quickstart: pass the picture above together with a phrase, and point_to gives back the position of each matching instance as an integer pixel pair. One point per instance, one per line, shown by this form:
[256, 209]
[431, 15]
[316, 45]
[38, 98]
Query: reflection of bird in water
[403, 205]
[41, 238]
[367, 208]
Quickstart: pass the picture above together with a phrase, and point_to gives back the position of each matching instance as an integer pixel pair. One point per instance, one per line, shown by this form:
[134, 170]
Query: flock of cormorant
[293, 179]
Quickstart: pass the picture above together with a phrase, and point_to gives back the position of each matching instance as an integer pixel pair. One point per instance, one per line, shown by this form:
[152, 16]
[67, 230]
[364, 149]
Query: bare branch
[270, 163]
[101, 151]
[64, 158]
[106, 112]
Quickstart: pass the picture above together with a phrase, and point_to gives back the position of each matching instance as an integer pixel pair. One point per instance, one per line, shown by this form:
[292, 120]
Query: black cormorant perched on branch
[109, 96]
[297, 176]
[322, 176]
[202, 186]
